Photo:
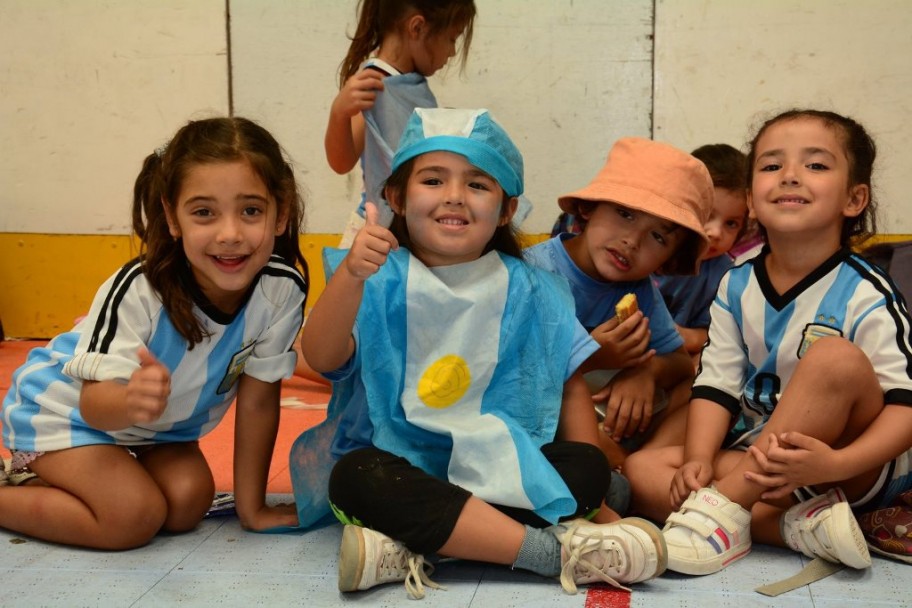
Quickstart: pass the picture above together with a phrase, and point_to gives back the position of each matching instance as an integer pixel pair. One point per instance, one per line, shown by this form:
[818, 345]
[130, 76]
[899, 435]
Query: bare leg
[182, 474]
[78, 506]
[671, 430]
[483, 533]
[832, 396]
[650, 472]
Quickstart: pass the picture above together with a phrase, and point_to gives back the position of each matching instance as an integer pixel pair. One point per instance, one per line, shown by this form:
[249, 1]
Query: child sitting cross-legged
[465, 429]
[801, 409]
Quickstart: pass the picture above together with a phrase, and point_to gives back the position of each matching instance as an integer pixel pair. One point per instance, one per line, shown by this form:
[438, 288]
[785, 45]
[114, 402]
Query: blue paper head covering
[469, 133]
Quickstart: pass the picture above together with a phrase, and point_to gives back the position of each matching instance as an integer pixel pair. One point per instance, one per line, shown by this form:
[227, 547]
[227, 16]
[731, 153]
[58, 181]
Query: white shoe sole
[351, 558]
[848, 541]
[658, 541]
[709, 565]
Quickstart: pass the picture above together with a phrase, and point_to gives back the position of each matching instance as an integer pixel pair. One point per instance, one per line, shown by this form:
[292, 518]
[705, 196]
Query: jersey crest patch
[235, 368]
[812, 333]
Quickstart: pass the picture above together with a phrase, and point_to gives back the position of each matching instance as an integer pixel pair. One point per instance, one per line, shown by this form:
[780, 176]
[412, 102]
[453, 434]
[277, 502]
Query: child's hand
[623, 344]
[270, 517]
[148, 389]
[629, 400]
[371, 246]
[358, 93]
[689, 478]
[792, 460]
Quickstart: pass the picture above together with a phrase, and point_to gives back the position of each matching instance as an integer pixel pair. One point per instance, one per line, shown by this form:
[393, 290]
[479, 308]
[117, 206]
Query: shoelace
[576, 565]
[417, 577]
[393, 562]
[396, 559]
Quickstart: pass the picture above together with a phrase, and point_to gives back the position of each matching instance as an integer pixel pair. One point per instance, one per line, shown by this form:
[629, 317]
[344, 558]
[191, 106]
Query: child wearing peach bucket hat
[644, 213]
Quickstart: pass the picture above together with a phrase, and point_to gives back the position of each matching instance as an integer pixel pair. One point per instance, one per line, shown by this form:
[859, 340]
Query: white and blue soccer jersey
[757, 336]
[41, 409]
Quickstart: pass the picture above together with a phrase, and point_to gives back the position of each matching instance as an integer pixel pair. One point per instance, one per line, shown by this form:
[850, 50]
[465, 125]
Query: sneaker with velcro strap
[825, 527]
[707, 533]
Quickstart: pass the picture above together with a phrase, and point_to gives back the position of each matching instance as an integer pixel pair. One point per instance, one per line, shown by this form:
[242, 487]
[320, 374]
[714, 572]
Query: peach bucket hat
[653, 177]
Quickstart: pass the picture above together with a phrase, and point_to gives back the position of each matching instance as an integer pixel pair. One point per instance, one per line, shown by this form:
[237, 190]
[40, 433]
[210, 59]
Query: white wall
[89, 87]
[724, 66]
[565, 78]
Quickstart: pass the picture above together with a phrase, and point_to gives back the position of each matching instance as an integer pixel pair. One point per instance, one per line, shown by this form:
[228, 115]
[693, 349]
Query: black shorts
[386, 493]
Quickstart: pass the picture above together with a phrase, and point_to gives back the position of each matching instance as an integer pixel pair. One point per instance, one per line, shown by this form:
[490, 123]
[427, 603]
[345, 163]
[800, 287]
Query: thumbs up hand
[148, 389]
[371, 246]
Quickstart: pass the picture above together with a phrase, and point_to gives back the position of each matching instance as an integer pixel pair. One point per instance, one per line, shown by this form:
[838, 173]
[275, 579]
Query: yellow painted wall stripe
[47, 280]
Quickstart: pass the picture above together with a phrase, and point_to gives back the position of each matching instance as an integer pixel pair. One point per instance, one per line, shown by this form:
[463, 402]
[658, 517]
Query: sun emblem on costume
[444, 382]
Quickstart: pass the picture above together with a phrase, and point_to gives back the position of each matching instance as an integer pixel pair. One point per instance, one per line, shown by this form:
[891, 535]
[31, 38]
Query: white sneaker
[707, 533]
[825, 527]
[368, 558]
[627, 551]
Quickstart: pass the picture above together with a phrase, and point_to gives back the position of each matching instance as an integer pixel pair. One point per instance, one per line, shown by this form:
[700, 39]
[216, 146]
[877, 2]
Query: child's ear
[750, 206]
[509, 209]
[281, 221]
[415, 26]
[859, 197]
[390, 195]
[173, 226]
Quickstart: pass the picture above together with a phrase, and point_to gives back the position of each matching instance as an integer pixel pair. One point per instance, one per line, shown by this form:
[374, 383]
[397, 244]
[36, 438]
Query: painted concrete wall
[87, 90]
[724, 66]
[89, 87]
[565, 78]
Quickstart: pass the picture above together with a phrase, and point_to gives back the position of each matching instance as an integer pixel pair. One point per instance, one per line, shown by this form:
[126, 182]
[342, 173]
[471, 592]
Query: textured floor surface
[219, 564]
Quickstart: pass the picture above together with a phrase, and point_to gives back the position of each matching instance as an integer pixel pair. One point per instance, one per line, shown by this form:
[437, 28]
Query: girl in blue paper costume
[467, 431]
[396, 47]
[108, 416]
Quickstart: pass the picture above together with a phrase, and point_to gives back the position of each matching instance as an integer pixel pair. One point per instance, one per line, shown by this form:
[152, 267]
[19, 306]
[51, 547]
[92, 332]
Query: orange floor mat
[303, 406]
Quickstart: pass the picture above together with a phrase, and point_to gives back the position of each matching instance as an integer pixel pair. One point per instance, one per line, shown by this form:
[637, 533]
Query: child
[404, 42]
[643, 212]
[808, 363]
[466, 430]
[208, 312]
[688, 297]
[410, 40]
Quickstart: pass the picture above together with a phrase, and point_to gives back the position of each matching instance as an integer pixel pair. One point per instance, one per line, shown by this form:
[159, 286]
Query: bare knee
[133, 523]
[189, 498]
[650, 473]
[840, 359]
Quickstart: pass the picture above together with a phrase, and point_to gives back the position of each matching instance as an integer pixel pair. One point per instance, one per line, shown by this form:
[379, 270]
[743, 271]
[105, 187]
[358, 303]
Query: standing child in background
[644, 212]
[466, 430]
[807, 368]
[397, 45]
[688, 297]
[209, 311]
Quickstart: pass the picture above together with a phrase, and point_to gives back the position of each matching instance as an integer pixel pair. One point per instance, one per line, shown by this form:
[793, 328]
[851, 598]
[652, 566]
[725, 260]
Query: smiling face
[227, 220]
[800, 182]
[623, 244]
[729, 212]
[452, 209]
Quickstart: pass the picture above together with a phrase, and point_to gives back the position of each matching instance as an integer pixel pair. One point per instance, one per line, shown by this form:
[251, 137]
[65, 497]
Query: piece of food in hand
[626, 307]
